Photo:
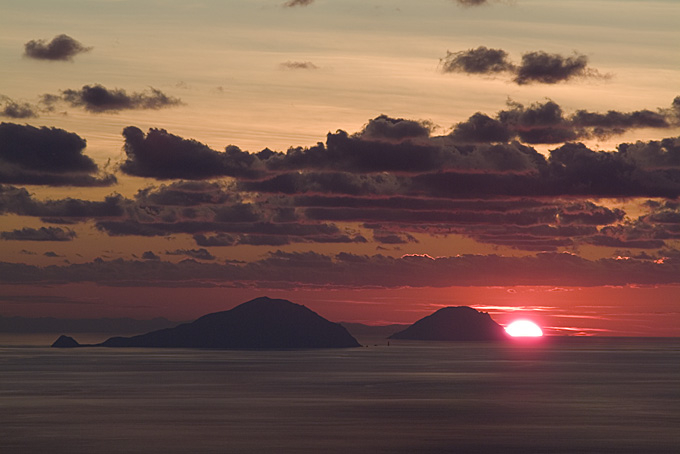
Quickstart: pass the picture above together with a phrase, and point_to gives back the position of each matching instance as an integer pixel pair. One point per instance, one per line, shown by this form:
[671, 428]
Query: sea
[553, 395]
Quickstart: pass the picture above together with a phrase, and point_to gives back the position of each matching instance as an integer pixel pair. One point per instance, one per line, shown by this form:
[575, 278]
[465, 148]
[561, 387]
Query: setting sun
[523, 328]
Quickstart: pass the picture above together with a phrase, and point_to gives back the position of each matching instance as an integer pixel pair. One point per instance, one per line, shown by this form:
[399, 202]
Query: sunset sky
[375, 160]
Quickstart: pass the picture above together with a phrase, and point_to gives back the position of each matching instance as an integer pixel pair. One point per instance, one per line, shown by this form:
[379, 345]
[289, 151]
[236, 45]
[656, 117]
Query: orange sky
[417, 155]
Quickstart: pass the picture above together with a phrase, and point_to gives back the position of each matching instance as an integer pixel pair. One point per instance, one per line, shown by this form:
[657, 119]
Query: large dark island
[262, 323]
[461, 323]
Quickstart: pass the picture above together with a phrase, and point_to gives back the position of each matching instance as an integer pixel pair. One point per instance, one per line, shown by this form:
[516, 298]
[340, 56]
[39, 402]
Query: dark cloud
[97, 98]
[394, 145]
[482, 128]
[19, 201]
[393, 238]
[41, 234]
[200, 254]
[538, 123]
[162, 155]
[587, 213]
[481, 60]
[13, 109]
[188, 193]
[535, 67]
[49, 156]
[298, 65]
[357, 154]
[43, 149]
[62, 47]
[547, 123]
[394, 129]
[545, 68]
[327, 183]
[354, 154]
[149, 255]
[655, 154]
[292, 3]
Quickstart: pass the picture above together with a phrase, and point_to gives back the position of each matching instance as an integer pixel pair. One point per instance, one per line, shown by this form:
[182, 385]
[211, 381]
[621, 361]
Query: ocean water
[572, 395]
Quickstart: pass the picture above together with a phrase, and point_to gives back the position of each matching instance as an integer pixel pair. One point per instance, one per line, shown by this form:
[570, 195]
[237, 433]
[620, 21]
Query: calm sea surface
[571, 395]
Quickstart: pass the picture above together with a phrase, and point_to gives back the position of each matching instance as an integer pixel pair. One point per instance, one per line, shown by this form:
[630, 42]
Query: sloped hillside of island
[262, 323]
[460, 323]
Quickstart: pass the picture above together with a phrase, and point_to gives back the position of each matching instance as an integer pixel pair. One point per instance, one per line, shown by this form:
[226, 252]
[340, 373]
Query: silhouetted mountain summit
[65, 342]
[262, 323]
[459, 323]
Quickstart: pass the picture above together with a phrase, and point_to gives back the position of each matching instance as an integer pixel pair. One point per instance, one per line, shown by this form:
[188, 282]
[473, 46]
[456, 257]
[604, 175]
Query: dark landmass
[65, 342]
[100, 325]
[262, 323]
[459, 323]
[377, 331]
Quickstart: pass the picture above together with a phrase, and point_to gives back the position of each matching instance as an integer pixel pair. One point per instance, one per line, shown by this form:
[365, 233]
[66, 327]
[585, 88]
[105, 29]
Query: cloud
[188, 194]
[535, 67]
[97, 98]
[298, 65]
[292, 3]
[385, 144]
[200, 254]
[13, 109]
[395, 129]
[18, 201]
[162, 155]
[545, 68]
[41, 234]
[655, 154]
[149, 255]
[62, 47]
[547, 123]
[49, 156]
[481, 60]
[471, 2]
[310, 270]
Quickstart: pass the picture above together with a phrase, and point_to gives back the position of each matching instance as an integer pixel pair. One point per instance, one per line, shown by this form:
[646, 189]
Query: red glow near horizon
[523, 328]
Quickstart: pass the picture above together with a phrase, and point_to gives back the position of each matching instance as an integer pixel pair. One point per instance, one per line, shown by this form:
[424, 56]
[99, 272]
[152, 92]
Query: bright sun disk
[523, 328]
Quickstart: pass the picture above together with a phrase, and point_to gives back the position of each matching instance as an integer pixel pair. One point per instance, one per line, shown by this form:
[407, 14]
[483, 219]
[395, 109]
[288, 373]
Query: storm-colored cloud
[545, 68]
[481, 60]
[13, 109]
[546, 122]
[386, 128]
[64, 211]
[189, 194]
[200, 254]
[162, 155]
[49, 156]
[535, 67]
[150, 255]
[97, 98]
[41, 234]
[62, 47]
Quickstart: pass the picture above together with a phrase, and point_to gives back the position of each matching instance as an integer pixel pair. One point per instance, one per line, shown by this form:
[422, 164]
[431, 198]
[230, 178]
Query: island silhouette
[262, 323]
[459, 323]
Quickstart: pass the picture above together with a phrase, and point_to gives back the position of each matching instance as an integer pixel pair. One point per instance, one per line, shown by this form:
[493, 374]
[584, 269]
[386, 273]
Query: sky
[374, 160]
